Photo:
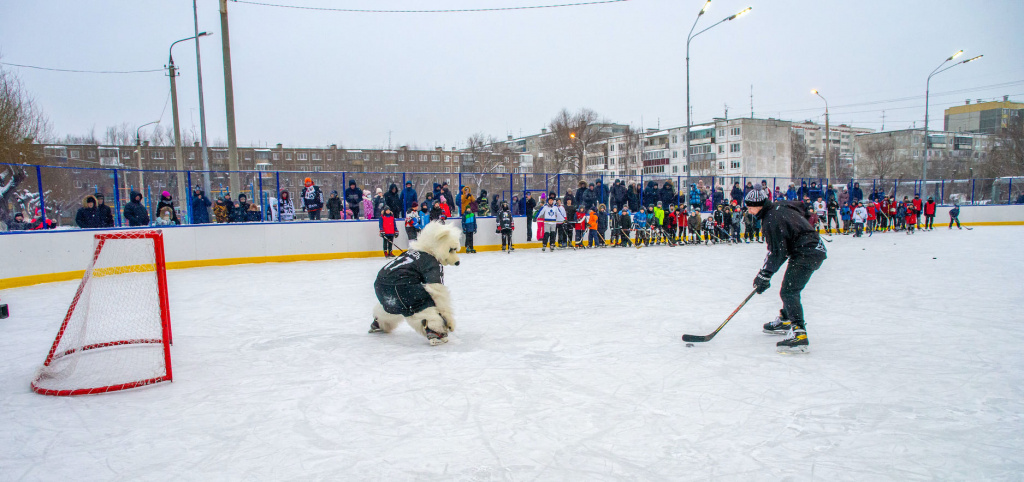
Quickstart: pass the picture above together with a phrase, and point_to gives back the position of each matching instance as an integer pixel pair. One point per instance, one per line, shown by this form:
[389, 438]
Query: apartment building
[983, 117]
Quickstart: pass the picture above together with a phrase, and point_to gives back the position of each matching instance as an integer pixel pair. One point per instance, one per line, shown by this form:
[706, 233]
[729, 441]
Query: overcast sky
[313, 78]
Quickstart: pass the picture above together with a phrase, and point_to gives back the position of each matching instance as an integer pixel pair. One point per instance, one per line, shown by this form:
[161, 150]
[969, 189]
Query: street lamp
[202, 109]
[690, 37]
[138, 150]
[172, 73]
[828, 138]
[927, 86]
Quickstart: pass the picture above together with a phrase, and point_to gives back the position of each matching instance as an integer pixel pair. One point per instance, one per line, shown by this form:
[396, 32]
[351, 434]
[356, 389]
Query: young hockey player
[469, 225]
[918, 209]
[693, 225]
[640, 224]
[911, 219]
[860, 216]
[833, 215]
[602, 224]
[579, 226]
[737, 220]
[591, 228]
[929, 213]
[503, 225]
[411, 219]
[550, 215]
[847, 216]
[565, 233]
[388, 231]
[709, 230]
[954, 216]
[789, 237]
[625, 225]
[671, 223]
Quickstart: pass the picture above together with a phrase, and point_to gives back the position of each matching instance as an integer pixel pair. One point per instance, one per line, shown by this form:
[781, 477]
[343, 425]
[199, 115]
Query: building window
[435, 158]
[734, 147]
[447, 158]
[316, 156]
[192, 156]
[423, 158]
[78, 184]
[721, 166]
[675, 169]
[675, 139]
[316, 168]
[721, 132]
[448, 169]
[721, 149]
[288, 156]
[611, 148]
[735, 131]
[675, 154]
[156, 154]
[91, 154]
[75, 154]
[277, 156]
[735, 164]
[303, 156]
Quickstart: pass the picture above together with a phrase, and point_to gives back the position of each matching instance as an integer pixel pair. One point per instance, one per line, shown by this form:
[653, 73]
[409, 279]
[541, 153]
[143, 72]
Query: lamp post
[172, 73]
[828, 139]
[927, 86]
[689, 38]
[202, 109]
[138, 150]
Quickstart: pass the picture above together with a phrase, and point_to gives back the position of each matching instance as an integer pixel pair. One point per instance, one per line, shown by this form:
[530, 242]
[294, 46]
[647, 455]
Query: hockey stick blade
[701, 339]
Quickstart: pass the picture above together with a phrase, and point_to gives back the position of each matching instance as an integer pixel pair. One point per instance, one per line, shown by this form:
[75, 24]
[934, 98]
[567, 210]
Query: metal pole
[260, 174]
[117, 199]
[927, 140]
[277, 195]
[202, 109]
[229, 97]
[191, 215]
[42, 197]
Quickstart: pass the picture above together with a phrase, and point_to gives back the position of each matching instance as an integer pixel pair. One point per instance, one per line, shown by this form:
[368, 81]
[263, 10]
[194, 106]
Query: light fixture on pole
[172, 72]
[927, 87]
[138, 152]
[828, 139]
[689, 38]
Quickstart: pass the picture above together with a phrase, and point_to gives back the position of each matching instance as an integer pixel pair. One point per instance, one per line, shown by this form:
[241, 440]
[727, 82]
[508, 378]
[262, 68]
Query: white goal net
[117, 332]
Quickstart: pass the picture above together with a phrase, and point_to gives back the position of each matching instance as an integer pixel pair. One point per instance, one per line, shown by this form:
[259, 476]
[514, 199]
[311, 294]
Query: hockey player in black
[504, 226]
[788, 235]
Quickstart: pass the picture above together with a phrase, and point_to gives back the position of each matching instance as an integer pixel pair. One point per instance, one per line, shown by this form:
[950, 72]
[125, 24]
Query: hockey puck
[689, 345]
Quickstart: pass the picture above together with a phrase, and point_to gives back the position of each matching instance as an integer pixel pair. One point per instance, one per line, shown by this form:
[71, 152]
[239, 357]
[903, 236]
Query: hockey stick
[700, 339]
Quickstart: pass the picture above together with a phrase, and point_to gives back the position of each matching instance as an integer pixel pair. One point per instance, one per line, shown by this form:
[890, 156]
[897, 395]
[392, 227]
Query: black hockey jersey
[504, 220]
[399, 284]
[788, 234]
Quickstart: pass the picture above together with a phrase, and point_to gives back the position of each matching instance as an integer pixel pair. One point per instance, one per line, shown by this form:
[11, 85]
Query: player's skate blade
[793, 350]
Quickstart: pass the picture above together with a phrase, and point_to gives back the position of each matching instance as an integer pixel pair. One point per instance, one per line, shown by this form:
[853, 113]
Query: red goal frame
[165, 319]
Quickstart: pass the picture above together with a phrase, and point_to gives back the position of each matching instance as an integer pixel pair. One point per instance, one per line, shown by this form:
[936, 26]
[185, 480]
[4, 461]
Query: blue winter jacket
[408, 197]
[469, 223]
[694, 195]
[791, 194]
[422, 219]
[640, 218]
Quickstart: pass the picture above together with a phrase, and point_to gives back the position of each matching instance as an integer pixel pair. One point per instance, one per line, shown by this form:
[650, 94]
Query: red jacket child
[871, 211]
[911, 217]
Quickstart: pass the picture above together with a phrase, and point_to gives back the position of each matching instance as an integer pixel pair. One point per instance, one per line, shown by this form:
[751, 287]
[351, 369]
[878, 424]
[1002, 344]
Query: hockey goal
[117, 332]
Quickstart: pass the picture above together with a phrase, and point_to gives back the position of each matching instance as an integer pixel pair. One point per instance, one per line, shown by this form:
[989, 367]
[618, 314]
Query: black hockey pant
[929, 221]
[955, 219]
[389, 242]
[469, 240]
[831, 219]
[798, 273]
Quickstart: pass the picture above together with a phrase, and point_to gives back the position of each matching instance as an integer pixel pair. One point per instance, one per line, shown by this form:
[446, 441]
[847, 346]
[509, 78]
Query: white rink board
[565, 366]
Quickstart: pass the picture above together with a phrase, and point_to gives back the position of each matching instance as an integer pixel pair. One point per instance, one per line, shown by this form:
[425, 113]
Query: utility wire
[447, 10]
[83, 71]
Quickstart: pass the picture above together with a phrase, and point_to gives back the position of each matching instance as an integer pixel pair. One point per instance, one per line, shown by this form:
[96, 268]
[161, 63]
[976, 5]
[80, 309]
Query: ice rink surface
[565, 366]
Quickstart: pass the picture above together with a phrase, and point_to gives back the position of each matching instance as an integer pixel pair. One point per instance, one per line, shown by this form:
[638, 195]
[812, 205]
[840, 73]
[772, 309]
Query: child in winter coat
[469, 222]
[737, 219]
[592, 228]
[911, 219]
[285, 209]
[693, 225]
[388, 231]
[929, 213]
[625, 224]
[411, 220]
[220, 211]
[602, 224]
[165, 217]
[954, 215]
[367, 206]
[846, 215]
[334, 206]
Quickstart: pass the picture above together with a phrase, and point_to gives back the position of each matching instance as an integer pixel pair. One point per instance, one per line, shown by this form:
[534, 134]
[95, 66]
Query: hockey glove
[763, 281]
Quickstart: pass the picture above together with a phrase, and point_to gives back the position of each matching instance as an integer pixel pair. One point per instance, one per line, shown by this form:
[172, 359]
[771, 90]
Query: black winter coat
[529, 205]
[200, 209]
[334, 208]
[668, 195]
[589, 200]
[633, 199]
[651, 195]
[619, 194]
[353, 195]
[788, 234]
[135, 212]
[394, 200]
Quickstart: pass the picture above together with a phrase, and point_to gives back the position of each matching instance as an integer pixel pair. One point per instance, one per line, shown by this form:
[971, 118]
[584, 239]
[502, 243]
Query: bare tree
[571, 135]
[879, 159]
[1007, 155]
[21, 123]
[801, 160]
[119, 135]
[630, 149]
[485, 153]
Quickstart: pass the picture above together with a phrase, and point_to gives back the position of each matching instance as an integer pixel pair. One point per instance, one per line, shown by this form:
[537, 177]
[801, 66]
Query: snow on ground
[565, 366]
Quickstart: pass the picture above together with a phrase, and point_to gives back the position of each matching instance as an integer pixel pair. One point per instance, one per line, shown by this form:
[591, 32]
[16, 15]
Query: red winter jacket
[917, 204]
[871, 211]
[929, 208]
[387, 225]
[911, 217]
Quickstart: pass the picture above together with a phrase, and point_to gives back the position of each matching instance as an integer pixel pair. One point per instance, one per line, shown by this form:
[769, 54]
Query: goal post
[116, 334]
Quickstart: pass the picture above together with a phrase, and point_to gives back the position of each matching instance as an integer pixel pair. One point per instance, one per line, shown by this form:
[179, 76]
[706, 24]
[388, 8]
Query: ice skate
[375, 327]
[778, 326]
[436, 338]
[795, 343]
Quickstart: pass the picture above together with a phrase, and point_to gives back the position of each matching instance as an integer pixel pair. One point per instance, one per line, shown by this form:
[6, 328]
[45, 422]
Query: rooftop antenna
[751, 101]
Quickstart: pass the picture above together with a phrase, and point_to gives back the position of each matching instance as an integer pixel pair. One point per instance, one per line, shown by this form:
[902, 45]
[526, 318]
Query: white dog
[411, 287]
